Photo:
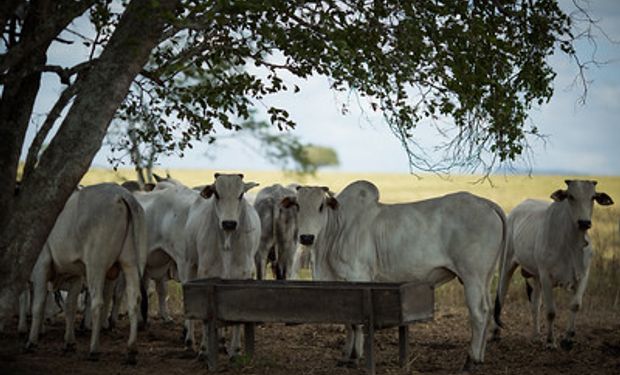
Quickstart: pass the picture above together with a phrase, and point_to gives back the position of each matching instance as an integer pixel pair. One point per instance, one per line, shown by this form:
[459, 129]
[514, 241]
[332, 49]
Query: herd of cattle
[109, 239]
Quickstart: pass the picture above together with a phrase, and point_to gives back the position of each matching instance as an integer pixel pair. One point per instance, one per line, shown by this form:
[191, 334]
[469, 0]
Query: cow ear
[216, 175]
[249, 185]
[208, 191]
[149, 186]
[240, 175]
[158, 178]
[332, 203]
[288, 202]
[559, 195]
[603, 199]
[298, 187]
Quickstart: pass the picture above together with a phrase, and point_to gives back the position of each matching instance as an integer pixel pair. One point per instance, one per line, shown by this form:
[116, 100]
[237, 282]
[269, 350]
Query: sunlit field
[604, 287]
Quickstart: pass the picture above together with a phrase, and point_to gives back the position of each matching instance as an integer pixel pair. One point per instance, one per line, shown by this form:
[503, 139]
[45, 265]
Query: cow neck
[324, 252]
[564, 234]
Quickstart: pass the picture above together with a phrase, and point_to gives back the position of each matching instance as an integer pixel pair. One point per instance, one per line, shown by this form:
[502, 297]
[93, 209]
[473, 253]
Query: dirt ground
[437, 347]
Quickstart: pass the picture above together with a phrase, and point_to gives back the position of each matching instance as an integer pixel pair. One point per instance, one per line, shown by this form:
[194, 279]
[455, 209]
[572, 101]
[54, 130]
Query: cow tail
[140, 247]
[528, 290]
[498, 305]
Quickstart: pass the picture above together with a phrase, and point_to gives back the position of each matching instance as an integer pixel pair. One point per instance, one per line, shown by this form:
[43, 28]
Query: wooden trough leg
[370, 332]
[403, 346]
[249, 339]
[212, 344]
[212, 334]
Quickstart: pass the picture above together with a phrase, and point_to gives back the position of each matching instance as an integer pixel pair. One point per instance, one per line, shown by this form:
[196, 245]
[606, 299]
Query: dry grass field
[437, 347]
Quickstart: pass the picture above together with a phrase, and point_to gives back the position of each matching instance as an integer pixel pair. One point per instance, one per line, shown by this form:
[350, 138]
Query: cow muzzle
[306, 239]
[229, 225]
[584, 224]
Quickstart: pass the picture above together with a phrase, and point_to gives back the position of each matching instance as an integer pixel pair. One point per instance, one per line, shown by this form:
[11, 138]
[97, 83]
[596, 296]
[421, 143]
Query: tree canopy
[205, 65]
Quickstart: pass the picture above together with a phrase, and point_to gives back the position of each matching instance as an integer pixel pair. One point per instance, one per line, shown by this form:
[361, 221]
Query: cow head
[580, 196]
[314, 203]
[227, 192]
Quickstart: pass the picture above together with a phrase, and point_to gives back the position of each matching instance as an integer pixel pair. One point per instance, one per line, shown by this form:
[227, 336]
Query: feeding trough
[374, 305]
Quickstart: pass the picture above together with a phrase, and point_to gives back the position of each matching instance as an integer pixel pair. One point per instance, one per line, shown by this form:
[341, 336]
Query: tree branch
[35, 147]
[46, 32]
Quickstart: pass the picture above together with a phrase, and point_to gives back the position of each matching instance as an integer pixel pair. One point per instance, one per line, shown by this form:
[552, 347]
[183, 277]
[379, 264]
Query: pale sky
[582, 139]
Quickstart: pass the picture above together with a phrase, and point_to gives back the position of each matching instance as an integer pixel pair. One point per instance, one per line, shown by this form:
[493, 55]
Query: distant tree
[320, 156]
[481, 64]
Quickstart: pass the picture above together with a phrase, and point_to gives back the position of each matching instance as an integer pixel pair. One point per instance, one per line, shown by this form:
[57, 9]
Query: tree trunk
[16, 105]
[70, 153]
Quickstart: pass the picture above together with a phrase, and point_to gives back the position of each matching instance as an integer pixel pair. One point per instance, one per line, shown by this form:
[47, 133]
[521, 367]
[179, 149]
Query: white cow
[100, 232]
[166, 210]
[223, 232]
[549, 241]
[356, 238]
[277, 208]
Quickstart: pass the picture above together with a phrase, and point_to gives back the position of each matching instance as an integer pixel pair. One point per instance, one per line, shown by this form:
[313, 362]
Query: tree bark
[70, 153]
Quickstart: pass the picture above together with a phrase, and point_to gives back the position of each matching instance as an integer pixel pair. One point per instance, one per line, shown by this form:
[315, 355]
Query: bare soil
[437, 347]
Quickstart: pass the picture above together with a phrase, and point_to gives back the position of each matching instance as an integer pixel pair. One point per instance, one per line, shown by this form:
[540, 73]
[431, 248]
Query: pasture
[436, 347]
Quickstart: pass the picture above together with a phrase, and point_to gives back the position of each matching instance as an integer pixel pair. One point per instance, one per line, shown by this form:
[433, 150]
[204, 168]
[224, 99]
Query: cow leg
[234, 347]
[70, 308]
[535, 307]
[24, 302]
[347, 350]
[108, 291]
[132, 293]
[478, 305]
[575, 306]
[87, 321]
[260, 262]
[117, 300]
[161, 286]
[95, 288]
[41, 274]
[358, 346]
[190, 336]
[547, 294]
[502, 291]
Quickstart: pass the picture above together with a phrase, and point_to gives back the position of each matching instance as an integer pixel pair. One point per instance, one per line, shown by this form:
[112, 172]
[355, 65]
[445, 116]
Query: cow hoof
[348, 362]
[30, 347]
[189, 345]
[567, 344]
[132, 358]
[93, 356]
[69, 347]
[470, 365]
[551, 345]
[496, 336]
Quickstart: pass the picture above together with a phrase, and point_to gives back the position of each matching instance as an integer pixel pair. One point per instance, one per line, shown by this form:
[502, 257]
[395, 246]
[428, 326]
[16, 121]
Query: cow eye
[321, 207]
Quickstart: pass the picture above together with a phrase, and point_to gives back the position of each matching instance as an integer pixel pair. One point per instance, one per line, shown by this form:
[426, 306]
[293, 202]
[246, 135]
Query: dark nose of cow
[306, 239]
[584, 224]
[229, 225]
